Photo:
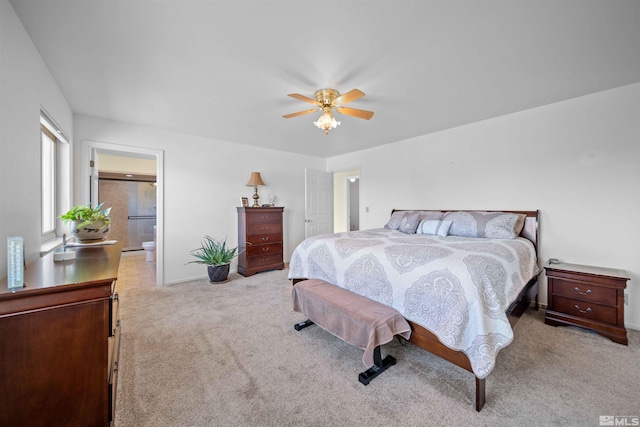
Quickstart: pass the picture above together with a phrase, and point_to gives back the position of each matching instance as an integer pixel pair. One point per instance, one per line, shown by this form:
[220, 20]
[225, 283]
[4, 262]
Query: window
[48, 156]
[54, 152]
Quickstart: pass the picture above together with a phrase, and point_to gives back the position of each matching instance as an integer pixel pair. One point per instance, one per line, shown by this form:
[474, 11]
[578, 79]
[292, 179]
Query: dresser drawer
[265, 217]
[260, 229]
[257, 250]
[265, 260]
[585, 292]
[586, 310]
[261, 239]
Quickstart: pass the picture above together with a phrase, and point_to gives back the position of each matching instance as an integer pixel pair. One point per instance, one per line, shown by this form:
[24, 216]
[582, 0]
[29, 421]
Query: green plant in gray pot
[217, 256]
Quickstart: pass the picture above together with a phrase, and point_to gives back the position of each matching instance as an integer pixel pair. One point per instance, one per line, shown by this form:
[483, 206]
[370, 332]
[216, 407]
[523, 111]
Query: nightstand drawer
[586, 310]
[259, 229]
[274, 248]
[265, 218]
[585, 292]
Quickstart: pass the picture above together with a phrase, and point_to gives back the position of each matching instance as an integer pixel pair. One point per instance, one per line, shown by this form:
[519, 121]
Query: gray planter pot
[218, 273]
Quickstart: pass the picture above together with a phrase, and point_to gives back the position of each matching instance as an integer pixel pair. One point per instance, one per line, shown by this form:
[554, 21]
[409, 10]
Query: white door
[318, 203]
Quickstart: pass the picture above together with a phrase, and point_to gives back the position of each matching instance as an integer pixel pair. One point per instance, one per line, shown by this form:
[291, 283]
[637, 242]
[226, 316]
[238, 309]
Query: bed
[461, 291]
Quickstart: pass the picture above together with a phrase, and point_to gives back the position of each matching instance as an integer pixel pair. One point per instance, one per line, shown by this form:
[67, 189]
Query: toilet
[149, 248]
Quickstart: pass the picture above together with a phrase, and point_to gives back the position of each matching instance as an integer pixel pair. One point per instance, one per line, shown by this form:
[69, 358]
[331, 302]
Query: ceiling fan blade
[352, 95]
[363, 114]
[304, 98]
[300, 113]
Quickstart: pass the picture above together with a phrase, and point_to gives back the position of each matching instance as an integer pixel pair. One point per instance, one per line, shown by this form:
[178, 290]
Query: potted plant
[87, 223]
[217, 256]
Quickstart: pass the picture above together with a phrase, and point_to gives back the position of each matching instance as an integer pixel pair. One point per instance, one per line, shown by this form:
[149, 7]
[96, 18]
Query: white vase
[92, 232]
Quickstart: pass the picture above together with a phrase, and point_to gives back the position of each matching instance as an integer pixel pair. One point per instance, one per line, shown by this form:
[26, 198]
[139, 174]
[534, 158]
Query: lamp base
[255, 197]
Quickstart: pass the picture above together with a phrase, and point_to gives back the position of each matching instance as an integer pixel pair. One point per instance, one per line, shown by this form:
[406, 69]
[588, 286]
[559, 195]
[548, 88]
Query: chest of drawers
[60, 342]
[589, 297]
[259, 240]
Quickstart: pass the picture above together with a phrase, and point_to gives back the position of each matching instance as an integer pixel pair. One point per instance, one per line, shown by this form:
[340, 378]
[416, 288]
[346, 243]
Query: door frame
[89, 149]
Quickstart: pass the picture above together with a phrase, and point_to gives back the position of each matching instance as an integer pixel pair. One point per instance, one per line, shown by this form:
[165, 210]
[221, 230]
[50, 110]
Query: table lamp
[254, 181]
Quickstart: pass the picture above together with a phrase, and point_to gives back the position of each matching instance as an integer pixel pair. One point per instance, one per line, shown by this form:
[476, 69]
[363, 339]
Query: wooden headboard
[529, 231]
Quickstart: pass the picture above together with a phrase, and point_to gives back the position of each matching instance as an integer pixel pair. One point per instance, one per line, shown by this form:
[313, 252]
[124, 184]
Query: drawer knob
[264, 239]
[265, 249]
[587, 292]
[588, 310]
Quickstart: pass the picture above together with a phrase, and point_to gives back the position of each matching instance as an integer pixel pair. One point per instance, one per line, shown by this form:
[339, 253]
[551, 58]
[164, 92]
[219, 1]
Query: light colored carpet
[199, 354]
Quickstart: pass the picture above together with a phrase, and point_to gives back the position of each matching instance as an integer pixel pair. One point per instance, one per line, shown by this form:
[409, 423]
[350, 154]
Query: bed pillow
[409, 222]
[494, 225]
[394, 221]
[424, 215]
[435, 227]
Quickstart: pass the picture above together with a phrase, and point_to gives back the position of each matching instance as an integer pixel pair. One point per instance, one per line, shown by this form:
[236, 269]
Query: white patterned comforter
[456, 287]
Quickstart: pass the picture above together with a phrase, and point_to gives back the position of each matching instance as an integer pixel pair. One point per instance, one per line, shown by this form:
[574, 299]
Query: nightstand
[589, 297]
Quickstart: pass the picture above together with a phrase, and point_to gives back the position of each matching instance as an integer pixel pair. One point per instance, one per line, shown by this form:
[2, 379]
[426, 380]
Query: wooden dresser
[589, 297]
[60, 341]
[259, 240]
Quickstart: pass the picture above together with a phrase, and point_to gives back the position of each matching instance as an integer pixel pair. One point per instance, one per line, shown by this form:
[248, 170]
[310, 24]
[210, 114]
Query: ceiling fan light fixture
[326, 122]
[328, 100]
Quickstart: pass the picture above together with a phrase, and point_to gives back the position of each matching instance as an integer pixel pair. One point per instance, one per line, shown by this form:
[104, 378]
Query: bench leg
[480, 393]
[380, 365]
[301, 325]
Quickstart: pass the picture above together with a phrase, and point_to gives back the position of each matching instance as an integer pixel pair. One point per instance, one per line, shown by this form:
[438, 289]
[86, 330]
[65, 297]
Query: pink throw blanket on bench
[360, 321]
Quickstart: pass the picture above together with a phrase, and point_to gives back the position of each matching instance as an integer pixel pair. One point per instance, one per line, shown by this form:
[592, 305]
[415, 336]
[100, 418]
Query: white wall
[26, 86]
[577, 161]
[124, 164]
[203, 183]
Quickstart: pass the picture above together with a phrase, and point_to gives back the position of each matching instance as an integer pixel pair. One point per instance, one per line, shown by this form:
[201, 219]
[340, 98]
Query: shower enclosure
[133, 210]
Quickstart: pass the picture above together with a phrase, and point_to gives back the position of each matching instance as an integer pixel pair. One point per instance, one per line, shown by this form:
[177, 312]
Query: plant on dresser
[88, 223]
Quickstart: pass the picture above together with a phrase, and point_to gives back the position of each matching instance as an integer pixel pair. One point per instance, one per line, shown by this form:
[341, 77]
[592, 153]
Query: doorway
[353, 203]
[93, 151]
[346, 200]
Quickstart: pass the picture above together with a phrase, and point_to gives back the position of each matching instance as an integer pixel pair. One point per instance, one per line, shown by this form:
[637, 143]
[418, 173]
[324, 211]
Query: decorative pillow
[435, 227]
[494, 225]
[394, 221]
[430, 215]
[409, 222]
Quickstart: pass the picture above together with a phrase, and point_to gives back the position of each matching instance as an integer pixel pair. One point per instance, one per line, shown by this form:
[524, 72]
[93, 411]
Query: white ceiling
[223, 69]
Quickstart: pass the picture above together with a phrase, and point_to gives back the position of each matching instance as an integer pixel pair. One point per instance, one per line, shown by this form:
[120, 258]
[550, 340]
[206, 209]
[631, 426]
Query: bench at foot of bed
[379, 364]
[361, 322]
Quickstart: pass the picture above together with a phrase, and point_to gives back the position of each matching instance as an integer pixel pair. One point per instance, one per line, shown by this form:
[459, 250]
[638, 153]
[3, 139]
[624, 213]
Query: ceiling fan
[327, 100]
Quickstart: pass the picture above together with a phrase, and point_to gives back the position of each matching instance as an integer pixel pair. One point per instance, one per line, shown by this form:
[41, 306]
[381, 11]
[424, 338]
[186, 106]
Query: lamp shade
[255, 179]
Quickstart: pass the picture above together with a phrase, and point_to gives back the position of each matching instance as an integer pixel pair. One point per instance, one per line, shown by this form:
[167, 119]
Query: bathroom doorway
[93, 152]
